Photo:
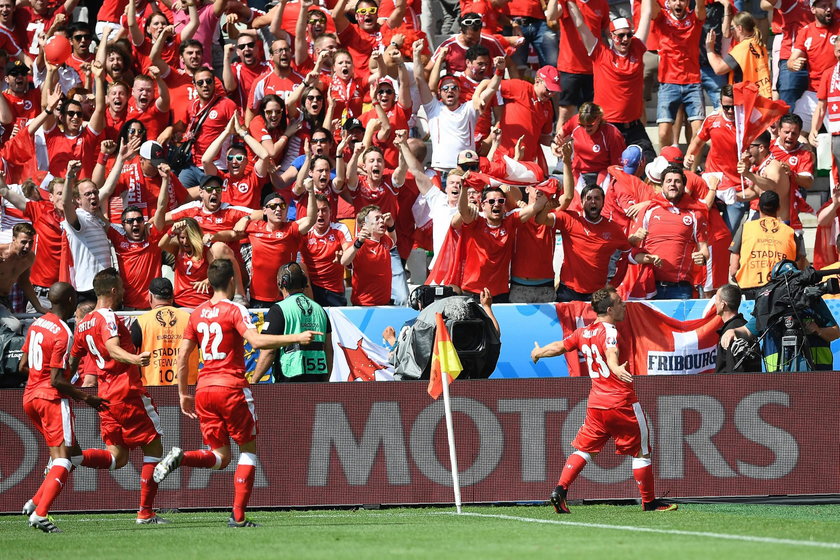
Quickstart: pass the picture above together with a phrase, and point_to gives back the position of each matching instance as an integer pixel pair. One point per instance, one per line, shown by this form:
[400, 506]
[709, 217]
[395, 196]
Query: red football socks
[574, 464]
[148, 487]
[52, 486]
[97, 459]
[203, 459]
[243, 483]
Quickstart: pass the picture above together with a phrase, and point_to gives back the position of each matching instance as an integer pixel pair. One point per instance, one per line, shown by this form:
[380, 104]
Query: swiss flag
[355, 356]
[753, 113]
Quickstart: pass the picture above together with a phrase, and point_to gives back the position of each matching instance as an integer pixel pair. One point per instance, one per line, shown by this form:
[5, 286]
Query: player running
[45, 353]
[613, 410]
[223, 403]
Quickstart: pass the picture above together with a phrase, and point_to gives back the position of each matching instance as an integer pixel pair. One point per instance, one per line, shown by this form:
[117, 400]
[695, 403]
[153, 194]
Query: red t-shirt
[533, 252]
[245, 77]
[187, 271]
[456, 55]
[139, 264]
[23, 109]
[348, 96]
[217, 120]
[618, 81]
[624, 191]
[372, 273]
[791, 16]
[48, 242]
[117, 380]
[673, 234]
[182, 94]
[218, 329]
[679, 47]
[319, 254]
[62, 149]
[594, 153]
[384, 196]
[221, 220]
[800, 160]
[34, 25]
[723, 154]
[244, 191]
[269, 251]
[607, 391]
[398, 117]
[573, 57]
[524, 115]
[152, 118]
[587, 250]
[271, 83]
[488, 252]
[142, 192]
[47, 346]
[818, 44]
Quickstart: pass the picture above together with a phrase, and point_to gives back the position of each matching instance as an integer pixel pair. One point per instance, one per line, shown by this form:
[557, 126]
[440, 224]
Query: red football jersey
[384, 196]
[534, 252]
[23, 109]
[488, 252]
[573, 57]
[46, 346]
[188, 271]
[372, 273]
[800, 160]
[679, 47]
[348, 97]
[398, 117]
[791, 16]
[154, 120]
[48, 242]
[245, 77]
[456, 55]
[818, 44]
[723, 154]
[217, 329]
[244, 191]
[319, 254]
[139, 263]
[269, 251]
[618, 81]
[673, 234]
[222, 219]
[587, 250]
[217, 120]
[594, 152]
[607, 390]
[524, 115]
[271, 83]
[63, 148]
[117, 380]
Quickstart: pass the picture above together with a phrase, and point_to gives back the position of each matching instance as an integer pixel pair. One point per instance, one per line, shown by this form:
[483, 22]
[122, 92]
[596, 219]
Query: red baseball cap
[551, 77]
[672, 153]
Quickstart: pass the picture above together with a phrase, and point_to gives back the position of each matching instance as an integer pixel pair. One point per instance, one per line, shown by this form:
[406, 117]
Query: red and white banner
[355, 356]
[652, 342]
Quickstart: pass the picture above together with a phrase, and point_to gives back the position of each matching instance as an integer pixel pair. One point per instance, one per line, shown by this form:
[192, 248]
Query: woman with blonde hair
[747, 61]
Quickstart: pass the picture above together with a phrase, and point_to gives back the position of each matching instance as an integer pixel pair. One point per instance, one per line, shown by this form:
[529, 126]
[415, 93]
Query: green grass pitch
[707, 532]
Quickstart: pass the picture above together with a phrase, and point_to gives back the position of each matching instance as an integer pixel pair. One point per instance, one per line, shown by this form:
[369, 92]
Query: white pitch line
[746, 538]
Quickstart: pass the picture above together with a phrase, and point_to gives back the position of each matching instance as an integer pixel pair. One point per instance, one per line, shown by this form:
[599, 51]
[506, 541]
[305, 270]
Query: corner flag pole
[450, 434]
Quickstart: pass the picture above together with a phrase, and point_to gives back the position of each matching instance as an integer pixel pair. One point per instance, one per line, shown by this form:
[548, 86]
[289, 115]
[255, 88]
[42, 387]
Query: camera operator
[727, 302]
[786, 308]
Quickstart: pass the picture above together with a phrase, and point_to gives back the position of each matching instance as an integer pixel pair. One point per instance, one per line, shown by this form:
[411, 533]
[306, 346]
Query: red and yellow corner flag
[444, 359]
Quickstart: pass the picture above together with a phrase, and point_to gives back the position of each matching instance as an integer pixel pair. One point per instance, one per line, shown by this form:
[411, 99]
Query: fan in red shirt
[612, 409]
[281, 81]
[321, 252]
[391, 113]
[239, 76]
[454, 49]
[182, 87]
[44, 357]
[370, 257]
[377, 187]
[223, 403]
[136, 246]
[21, 102]
[618, 72]
[574, 63]
[32, 22]
[789, 17]
[676, 232]
[597, 144]
[148, 107]
[274, 242]
[158, 33]
[345, 88]
[789, 150]
[131, 419]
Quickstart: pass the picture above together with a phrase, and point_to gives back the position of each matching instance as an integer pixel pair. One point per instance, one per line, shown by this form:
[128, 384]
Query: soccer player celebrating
[223, 402]
[44, 399]
[131, 420]
[613, 410]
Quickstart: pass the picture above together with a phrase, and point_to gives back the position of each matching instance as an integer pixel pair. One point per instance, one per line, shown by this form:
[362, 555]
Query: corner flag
[444, 359]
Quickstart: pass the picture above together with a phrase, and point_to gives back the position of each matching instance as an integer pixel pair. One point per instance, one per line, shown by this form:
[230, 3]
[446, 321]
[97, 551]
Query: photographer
[793, 321]
[729, 359]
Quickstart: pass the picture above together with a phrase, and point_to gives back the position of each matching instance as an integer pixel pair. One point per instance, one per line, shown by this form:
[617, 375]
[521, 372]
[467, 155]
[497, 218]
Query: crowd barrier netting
[385, 443]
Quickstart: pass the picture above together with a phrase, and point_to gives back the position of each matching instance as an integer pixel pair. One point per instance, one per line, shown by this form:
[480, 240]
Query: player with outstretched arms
[45, 401]
[223, 403]
[613, 410]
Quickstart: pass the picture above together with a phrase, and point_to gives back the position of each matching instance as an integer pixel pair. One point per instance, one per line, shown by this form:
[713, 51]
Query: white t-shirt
[90, 248]
[441, 214]
[451, 132]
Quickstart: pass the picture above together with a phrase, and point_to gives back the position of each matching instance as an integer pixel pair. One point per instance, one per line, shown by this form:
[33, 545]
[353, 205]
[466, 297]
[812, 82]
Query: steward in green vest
[296, 313]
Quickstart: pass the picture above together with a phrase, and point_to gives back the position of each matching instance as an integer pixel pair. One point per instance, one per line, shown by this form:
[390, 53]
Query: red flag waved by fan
[753, 113]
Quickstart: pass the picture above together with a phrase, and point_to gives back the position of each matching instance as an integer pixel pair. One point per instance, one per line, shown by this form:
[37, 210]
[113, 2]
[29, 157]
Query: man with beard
[618, 73]
[239, 76]
[136, 246]
[19, 103]
[321, 251]
[676, 234]
[183, 88]
[84, 226]
[316, 171]
[759, 167]
[280, 81]
[216, 110]
[590, 240]
[150, 109]
[240, 188]
[789, 150]
[274, 241]
[452, 121]
[814, 48]
[16, 259]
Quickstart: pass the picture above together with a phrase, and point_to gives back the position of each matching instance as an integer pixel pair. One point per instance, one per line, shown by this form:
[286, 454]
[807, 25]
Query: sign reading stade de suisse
[385, 443]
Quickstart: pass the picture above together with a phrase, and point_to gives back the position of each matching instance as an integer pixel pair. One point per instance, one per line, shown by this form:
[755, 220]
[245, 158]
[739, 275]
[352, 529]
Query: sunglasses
[385, 91]
[246, 46]
[212, 189]
[472, 22]
[81, 37]
[452, 87]
[728, 107]
[204, 82]
[367, 11]
[492, 201]
[469, 166]
[135, 132]
[73, 114]
[317, 21]
[279, 50]
[275, 205]
[319, 141]
[622, 35]
[314, 98]
[137, 220]
[236, 157]
[273, 112]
